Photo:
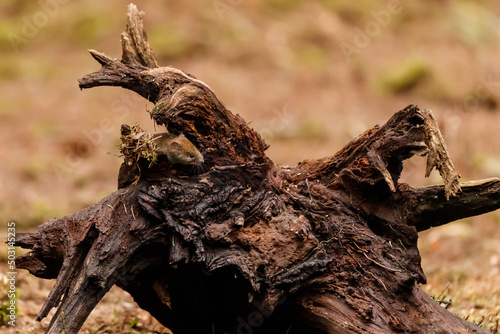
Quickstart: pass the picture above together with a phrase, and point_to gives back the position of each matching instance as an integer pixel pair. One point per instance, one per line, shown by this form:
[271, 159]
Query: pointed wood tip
[100, 57]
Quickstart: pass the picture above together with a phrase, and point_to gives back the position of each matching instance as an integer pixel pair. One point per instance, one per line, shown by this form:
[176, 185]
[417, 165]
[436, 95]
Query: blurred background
[309, 76]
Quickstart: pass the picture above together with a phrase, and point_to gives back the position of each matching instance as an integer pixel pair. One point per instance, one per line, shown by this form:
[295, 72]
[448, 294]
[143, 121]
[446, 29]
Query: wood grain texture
[245, 246]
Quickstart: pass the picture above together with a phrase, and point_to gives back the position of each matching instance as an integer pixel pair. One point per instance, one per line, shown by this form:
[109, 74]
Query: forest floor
[309, 76]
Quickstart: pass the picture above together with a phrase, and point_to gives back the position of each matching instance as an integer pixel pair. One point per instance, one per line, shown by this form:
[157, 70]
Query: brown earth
[309, 76]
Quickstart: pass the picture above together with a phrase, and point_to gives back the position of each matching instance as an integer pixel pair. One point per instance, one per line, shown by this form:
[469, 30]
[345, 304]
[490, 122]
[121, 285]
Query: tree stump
[244, 245]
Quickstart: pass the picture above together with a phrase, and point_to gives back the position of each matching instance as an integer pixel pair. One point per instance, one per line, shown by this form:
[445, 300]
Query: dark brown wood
[245, 246]
[428, 207]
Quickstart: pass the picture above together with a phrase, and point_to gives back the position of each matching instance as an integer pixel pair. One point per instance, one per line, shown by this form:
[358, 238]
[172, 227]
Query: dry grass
[278, 64]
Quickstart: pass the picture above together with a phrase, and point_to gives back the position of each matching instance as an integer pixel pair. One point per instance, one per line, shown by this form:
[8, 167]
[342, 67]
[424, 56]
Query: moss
[134, 322]
[281, 5]
[29, 68]
[312, 129]
[10, 107]
[313, 56]
[308, 129]
[404, 77]
[353, 12]
[9, 69]
[39, 212]
[480, 98]
[45, 128]
[41, 209]
[80, 182]
[170, 43]
[34, 169]
[11, 8]
[136, 143]
[473, 22]
[6, 29]
[88, 29]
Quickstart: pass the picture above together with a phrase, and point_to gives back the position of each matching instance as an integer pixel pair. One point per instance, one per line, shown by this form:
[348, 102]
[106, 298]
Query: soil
[309, 76]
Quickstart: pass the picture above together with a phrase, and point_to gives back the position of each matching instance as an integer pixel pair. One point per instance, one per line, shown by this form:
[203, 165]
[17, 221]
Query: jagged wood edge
[135, 45]
[439, 158]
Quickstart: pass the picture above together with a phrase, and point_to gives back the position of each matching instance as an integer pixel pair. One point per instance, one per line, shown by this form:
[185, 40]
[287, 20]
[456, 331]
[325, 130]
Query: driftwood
[245, 246]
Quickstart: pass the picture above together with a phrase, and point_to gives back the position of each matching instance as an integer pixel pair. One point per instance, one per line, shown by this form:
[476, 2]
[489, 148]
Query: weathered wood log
[245, 246]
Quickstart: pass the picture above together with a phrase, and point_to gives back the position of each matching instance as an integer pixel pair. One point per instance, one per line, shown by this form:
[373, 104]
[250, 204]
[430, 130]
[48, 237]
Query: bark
[245, 246]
